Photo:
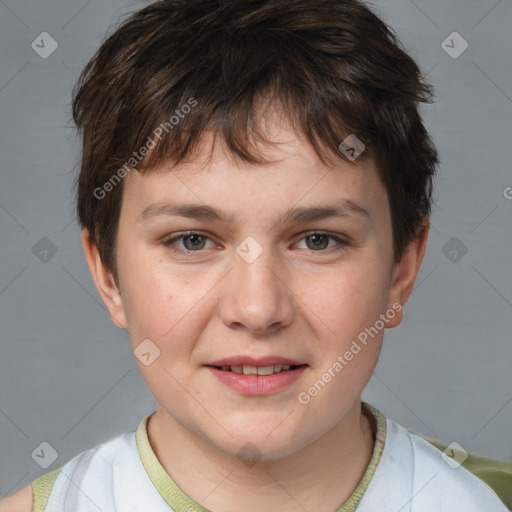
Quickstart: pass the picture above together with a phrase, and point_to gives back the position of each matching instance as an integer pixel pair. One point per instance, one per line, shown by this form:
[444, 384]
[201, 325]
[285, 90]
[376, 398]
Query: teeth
[256, 370]
[250, 370]
[266, 370]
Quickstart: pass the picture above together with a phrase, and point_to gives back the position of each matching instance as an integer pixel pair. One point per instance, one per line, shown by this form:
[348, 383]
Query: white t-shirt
[408, 474]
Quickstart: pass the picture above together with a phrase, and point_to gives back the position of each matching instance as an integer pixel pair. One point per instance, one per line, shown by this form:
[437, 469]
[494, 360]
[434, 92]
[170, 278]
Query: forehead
[230, 190]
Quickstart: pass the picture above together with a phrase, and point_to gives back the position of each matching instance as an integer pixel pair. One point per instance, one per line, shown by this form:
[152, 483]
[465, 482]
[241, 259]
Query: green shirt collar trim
[180, 502]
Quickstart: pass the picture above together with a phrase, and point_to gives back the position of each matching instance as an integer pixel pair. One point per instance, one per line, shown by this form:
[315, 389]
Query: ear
[104, 281]
[405, 272]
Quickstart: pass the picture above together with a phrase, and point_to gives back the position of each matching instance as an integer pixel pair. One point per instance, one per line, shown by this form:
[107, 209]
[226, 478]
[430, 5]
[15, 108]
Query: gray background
[67, 374]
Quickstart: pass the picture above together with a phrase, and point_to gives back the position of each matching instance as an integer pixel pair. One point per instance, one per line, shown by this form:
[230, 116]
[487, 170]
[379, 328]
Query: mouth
[257, 376]
[272, 369]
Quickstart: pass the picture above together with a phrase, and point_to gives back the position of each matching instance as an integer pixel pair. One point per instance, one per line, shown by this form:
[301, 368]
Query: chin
[257, 441]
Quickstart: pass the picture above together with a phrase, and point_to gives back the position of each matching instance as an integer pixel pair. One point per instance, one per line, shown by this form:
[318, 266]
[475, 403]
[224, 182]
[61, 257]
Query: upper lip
[254, 361]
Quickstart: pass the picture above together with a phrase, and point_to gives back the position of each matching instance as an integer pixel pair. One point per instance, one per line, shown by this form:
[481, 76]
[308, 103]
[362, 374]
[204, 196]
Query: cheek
[162, 303]
[345, 311]
[346, 300]
[147, 296]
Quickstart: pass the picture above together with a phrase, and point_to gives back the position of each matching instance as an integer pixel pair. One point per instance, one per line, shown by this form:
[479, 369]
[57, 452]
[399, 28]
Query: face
[259, 286]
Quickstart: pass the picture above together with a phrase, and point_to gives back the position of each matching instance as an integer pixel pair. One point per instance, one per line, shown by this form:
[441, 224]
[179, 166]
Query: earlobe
[406, 271]
[104, 281]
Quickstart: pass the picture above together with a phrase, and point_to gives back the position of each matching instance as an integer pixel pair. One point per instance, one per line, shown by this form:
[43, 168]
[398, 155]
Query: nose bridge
[253, 264]
[258, 299]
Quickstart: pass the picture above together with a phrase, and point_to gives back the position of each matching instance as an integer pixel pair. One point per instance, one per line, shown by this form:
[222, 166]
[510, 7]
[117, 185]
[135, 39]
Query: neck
[319, 477]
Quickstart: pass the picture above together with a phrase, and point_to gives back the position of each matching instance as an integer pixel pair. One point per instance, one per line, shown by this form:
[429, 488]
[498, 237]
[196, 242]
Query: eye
[193, 241]
[319, 241]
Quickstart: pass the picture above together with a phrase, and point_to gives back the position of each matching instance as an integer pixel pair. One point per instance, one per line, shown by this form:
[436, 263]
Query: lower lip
[257, 384]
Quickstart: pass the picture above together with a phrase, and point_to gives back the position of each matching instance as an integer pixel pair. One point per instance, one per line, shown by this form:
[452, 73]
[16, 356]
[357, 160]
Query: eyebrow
[344, 209]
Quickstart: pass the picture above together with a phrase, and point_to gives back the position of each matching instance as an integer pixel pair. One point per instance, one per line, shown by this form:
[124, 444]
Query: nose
[256, 294]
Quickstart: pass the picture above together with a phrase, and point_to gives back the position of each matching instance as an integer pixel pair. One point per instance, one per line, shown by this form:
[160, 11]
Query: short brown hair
[333, 66]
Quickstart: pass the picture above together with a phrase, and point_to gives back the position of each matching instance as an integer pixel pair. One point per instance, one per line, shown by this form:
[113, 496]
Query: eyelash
[170, 241]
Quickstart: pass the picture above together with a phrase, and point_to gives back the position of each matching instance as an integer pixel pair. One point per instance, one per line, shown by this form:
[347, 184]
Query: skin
[294, 300]
[20, 501]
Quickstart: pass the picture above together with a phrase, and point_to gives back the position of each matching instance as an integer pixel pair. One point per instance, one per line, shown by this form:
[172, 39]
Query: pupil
[316, 237]
[189, 237]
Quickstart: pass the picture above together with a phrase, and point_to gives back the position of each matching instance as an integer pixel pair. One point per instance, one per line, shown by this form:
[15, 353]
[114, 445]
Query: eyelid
[339, 236]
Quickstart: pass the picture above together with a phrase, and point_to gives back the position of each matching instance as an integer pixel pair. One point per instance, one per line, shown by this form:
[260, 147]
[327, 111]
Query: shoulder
[102, 472]
[438, 481]
[97, 461]
[20, 501]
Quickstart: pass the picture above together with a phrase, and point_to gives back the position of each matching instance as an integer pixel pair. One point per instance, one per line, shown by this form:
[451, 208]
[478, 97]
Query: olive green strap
[41, 488]
[379, 427]
[180, 502]
[164, 484]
